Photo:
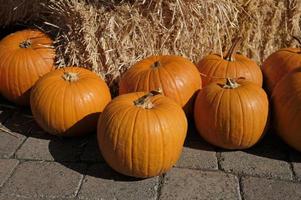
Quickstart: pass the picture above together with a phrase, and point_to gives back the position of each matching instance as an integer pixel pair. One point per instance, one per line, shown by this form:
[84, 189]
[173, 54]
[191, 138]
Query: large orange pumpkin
[278, 64]
[141, 134]
[68, 101]
[232, 65]
[25, 56]
[231, 115]
[177, 76]
[286, 101]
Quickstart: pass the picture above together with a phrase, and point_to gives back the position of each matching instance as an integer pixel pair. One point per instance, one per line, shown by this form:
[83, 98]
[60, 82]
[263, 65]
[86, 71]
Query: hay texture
[110, 36]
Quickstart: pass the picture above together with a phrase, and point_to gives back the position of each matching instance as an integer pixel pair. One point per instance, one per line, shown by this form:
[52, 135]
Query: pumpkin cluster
[282, 72]
[141, 132]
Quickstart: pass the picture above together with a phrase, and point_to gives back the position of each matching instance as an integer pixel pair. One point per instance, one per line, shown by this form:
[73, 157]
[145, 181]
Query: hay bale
[110, 36]
[13, 12]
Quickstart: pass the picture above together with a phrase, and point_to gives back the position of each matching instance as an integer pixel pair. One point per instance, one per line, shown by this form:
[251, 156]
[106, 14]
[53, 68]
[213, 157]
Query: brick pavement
[34, 165]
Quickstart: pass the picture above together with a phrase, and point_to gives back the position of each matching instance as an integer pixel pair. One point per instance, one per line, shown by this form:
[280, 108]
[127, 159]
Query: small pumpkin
[278, 64]
[177, 76]
[25, 56]
[231, 115]
[286, 101]
[142, 135]
[232, 65]
[68, 101]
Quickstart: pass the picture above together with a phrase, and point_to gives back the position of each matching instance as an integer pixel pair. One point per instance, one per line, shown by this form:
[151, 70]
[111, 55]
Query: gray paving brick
[44, 179]
[58, 149]
[19, 197]
[295, 158]
[15, 197]
[6, 168]
[264, 189]
[198, 155]
[91, 151]
[5, 114]
[103, 183]
[9, 143]
[194, 184]
[20, 123]
[266, 159]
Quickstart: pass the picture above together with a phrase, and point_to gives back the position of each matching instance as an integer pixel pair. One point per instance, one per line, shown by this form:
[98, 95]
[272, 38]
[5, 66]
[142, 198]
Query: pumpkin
[142, 135]
[177, 76]
[231, 114]
[286, 101]
[278, 64]
[25, 56]
[214, 66]
[68, 101]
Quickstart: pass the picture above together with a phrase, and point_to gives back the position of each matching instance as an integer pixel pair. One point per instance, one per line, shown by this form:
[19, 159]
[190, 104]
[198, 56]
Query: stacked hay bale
[109, 36]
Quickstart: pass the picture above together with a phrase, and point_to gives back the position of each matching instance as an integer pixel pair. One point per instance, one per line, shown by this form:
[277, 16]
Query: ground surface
[34, 165]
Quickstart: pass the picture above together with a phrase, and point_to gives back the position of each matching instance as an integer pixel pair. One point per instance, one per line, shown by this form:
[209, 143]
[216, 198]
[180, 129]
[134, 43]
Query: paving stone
[268, 159]
[44, 179]
[7, 166]
[91, 151]
[194, 184]
[19, 197]
[295, 158]
[198, 155]
[103, 183]
[20, 123]
[15, 197]
[5, 114]
[264, 189]
[58, 149]
[9, 143]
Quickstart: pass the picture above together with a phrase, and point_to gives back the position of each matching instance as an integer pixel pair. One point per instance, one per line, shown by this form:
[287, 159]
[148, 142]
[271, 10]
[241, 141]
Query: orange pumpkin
[286, 101]
[231, 115]
[25, 56]
[278, 64]
[177, 76]
[233, 65]
[68, 101]
[142, 135]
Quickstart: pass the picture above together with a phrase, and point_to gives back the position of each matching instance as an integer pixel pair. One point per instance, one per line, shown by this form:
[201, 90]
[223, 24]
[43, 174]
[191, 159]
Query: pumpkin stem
[70, 76]
[25, 44]
[156, 64]
[145, 101]
[233, 49]
[231, 84]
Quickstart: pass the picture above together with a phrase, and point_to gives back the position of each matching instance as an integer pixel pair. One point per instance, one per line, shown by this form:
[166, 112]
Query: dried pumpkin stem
[156, 64]
[145, 101]
[70, 76]
[233, 49]
[25, 44]
[231, 84]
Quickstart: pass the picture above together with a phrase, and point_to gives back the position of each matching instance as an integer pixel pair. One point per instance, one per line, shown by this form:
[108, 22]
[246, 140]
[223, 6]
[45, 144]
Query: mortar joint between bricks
[290, 163]
[218, 158]
[240, 188]
[160, 185]
[11, 174]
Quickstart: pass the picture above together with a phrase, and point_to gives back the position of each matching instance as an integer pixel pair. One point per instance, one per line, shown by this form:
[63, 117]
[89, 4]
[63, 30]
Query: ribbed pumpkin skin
[231, 118]
[286, 101]
[278, 64]
[141, 142]
[178, 78]
[20, 67]
[68, 108]
[215, 66]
